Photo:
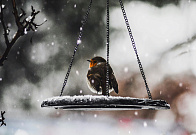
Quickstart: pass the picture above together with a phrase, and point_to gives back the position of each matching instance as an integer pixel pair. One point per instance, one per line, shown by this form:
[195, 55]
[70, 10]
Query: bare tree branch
[15, 12]
[6, 32]
[23, 25]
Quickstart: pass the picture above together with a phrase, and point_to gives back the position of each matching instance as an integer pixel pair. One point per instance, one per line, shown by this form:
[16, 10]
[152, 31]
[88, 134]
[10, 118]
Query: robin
[96, 76]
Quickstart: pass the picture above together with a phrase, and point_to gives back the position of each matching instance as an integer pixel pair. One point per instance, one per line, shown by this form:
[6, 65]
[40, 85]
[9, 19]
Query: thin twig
[2, 119]
[15, 12]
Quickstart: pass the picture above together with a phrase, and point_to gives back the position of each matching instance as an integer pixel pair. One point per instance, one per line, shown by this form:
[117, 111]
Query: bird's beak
[89, 60]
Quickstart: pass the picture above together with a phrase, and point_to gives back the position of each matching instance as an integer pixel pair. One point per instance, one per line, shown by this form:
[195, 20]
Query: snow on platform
[89, 102]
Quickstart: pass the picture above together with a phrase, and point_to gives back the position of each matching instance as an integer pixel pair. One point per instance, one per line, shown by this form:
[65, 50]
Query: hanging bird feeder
[89, 102]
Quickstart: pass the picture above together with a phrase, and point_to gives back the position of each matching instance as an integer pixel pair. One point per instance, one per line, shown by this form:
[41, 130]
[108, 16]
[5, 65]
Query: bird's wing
[95, 80]
[114, 83]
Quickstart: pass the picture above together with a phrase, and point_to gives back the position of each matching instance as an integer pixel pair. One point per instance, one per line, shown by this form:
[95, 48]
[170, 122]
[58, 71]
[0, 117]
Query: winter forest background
[165, 36]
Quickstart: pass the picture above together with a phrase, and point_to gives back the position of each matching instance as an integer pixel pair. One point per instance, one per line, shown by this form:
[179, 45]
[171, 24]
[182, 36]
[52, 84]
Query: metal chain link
[107, 44]
[76, 47]
[135, 49]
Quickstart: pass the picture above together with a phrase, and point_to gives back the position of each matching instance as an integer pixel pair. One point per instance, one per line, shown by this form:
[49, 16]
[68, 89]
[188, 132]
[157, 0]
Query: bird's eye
[95, 61]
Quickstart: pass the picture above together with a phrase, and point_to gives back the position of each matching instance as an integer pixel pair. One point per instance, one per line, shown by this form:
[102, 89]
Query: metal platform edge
[89, 102]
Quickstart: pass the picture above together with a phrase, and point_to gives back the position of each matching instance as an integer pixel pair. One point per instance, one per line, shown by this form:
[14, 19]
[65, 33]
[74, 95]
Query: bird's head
[94, 61]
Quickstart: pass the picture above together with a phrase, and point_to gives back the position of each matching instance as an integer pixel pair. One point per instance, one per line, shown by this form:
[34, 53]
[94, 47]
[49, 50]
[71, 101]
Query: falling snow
[136, 113]
[77, 72]
[81, 91]
[145, 124]
[92, 81]
[180, 84]
[95, 115]
[9, 25]
[126, 69]
[32, 57]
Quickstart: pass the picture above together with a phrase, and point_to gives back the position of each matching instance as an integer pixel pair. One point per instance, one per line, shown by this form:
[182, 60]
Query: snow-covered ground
[90, 124]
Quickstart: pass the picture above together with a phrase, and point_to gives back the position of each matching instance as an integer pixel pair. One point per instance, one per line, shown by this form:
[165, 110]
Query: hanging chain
[107, 44]
[135, 49]
[76, 47]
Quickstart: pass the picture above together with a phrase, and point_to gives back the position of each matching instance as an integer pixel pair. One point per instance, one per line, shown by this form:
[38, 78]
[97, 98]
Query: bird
[96, 76]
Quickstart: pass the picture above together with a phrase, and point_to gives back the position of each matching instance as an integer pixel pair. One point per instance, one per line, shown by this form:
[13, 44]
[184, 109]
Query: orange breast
[92, 63]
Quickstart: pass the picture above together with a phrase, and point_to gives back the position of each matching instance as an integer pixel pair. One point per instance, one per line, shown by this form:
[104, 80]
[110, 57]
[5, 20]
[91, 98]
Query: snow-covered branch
[24, 24]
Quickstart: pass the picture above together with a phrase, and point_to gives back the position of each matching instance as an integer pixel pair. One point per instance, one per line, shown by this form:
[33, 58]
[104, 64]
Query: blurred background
[165, 36]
